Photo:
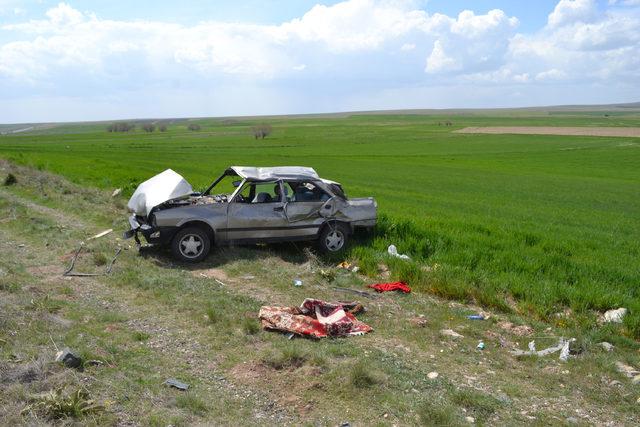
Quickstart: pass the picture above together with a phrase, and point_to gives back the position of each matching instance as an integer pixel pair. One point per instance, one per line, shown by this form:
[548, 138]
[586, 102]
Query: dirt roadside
[153, 319]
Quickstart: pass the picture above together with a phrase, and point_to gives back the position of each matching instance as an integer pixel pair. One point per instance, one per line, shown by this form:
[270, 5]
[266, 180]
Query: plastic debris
[450, 333]
[562, 346]
[432, 375]
[297, 282]
[393, 251]
[172, 382]
[470, 420]
[70, 360]
[116, 192]
[564, 352]
[475, 317]
[615, 316]
[606, 346]
[481, 346]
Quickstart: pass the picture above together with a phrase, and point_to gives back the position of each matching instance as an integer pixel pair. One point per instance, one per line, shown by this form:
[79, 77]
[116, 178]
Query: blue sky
[92, 60]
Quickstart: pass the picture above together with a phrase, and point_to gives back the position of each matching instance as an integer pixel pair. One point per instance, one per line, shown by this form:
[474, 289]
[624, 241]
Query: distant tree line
[193, 127]
[121, 127]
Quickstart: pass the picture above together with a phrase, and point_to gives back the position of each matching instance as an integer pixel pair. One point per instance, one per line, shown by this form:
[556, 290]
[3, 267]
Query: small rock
[470, 420]
[432, 375]
[116, 192]
[615, 316]
[607, 346]
[450, 333]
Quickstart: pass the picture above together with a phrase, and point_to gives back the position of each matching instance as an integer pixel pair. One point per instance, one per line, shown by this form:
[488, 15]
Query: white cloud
[438, 61]
[569, 11]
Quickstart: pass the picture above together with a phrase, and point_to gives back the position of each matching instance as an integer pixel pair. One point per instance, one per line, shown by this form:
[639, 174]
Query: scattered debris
[419, 321]
[393, 251]
[615, 316]
[470, 420]
[606, 346]
[70, 360]
[315, 319]
[116, 192]
[94, 362]
[433, 375]
[383, 270]
[480, 345]
[297, 282]
[172, 382]
[564, 352]
[356, 291]
[450, 333]
[328, 274]
[521, 330]
[629, 372]
[69, 271]
[562, 346]
[103, 233]
[394, 286]
[10, 180]
[475, 317]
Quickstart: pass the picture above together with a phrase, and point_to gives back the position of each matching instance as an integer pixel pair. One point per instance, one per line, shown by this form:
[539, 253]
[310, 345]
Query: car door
[304, 203]
[256, 213]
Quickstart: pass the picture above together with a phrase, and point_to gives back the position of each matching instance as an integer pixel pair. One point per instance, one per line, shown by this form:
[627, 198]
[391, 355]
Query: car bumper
[153, 235]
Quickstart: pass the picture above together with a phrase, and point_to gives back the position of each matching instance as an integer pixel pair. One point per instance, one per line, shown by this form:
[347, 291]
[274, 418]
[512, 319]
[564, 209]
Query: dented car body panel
[268, 204]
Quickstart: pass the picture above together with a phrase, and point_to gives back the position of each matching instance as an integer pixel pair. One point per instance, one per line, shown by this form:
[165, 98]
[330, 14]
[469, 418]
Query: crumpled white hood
[162, 187]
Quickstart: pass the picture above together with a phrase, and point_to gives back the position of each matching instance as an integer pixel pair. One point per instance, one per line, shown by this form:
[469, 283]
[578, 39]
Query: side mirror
[236, 184]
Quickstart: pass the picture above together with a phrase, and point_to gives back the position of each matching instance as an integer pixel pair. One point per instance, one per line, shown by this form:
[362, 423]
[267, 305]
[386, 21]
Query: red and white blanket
[315, 318]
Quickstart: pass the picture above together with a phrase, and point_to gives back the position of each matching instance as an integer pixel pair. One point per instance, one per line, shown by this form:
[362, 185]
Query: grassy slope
[153, 319]
[549, 220]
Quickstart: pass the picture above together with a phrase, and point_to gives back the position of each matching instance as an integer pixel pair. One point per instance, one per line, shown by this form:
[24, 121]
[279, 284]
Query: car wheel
[333, 237]
[191, 244]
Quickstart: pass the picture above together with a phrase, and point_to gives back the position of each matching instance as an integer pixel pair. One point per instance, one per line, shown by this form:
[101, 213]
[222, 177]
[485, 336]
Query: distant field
[627, 132]
[546, 221]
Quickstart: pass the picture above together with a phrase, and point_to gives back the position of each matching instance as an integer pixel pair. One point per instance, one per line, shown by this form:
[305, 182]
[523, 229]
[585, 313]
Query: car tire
[333, 238]
[191, 244]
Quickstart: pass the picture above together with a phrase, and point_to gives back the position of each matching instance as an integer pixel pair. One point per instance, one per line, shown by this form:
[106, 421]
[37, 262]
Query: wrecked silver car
[246, 205]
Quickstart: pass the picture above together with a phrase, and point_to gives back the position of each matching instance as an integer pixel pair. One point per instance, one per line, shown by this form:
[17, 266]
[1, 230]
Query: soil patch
[629, 132]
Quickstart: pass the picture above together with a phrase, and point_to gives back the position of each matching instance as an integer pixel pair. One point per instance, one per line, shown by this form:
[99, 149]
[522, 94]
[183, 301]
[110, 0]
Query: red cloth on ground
[395, 286]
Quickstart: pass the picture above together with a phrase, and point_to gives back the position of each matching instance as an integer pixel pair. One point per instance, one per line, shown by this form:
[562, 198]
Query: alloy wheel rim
[334, 240]
[191, 246]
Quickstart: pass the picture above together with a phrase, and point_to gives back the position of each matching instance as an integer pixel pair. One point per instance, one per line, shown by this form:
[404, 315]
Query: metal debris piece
[172, 382]
[69, 271]
[70, 360]
[103, 233]
[355, 291]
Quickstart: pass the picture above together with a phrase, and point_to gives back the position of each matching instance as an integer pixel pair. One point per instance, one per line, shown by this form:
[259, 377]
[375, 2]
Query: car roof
[273, 173]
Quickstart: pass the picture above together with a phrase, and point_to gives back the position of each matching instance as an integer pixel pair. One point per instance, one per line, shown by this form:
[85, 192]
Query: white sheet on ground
[162, 187]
